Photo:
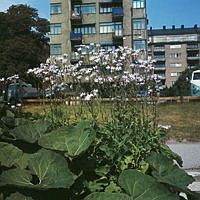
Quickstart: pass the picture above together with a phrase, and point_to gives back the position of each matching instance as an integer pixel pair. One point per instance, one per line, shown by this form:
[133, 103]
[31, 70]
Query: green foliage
[73, 141]
[165, 171]
[18, 196]
[181, 86]
[9, 154]
[30, 132]
[23, 38]
[123, 158]
[50, 168]
[137, 186]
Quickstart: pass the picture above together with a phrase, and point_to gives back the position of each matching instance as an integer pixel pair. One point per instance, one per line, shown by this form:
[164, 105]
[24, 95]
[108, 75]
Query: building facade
[175, 50]
[110, 23]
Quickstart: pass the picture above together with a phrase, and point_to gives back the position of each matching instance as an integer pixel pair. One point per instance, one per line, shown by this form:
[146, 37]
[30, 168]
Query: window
[55, 8]
[173, 82]
[159, 48]
[111, 27]
[184, 38]
[175, 65]
[175, 74]
[196, 76]
[85, 48]
[176, 46]
[139, 24]
[89, 8]
[55, 49]
[138, 4]
[85, 29]
[139, 44]
[108, 45]
[55, 29]
[175, 55]
[159, 56]
[105, 8]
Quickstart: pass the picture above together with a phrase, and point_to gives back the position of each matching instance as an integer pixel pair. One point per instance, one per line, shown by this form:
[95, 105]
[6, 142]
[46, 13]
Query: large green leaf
[138, 186]
[23, 162]
[9, 154]
[1, 131]
[18, 196]
[170, 154]
[165, 171]
[30, 132]
[73, 141]
[18, 177]
[107, 196]
[50, 170]
[143, 187]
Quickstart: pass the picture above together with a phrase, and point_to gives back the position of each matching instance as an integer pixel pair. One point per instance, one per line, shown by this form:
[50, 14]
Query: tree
[23, 39]
[182, 86]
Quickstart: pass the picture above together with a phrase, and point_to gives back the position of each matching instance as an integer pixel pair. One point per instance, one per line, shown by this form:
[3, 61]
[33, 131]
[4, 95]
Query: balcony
[75, 57]
[76, 36]
[159, 57]
[159, 49]
[118, 35]
[192, 47]
[76, 17]
[76, 1]
[161, 76]
[193, 57]
[117, 1]
[117, 13]
[159, 67]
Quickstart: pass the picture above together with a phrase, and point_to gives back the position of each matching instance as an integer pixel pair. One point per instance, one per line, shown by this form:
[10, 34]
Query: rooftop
[174, 31]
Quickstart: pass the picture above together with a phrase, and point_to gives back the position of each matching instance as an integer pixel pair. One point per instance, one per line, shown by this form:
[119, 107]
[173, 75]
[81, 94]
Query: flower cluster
[98, 68]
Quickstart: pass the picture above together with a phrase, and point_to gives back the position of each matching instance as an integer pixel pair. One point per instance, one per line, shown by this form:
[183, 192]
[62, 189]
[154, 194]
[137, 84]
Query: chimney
[195, 26]
[164, 27]
[173, 27]
[182, 26]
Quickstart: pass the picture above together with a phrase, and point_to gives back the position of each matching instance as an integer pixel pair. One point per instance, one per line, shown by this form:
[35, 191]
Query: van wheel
[12, 101]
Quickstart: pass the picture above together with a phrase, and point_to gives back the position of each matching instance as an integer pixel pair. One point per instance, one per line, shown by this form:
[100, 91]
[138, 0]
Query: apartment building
[110, 23]
[175, 49]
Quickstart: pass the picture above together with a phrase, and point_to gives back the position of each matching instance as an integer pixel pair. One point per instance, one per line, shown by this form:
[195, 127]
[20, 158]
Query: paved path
[190, 154]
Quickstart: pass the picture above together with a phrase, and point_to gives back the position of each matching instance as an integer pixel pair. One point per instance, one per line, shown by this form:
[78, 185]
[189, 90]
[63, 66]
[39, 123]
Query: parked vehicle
[19, 91]
[195, 83]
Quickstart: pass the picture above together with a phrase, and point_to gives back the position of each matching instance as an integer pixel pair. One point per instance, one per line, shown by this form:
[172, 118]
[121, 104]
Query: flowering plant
[96, 71]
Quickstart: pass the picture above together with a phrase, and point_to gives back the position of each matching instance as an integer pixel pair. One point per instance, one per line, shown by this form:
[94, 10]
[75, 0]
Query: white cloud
[5, 4]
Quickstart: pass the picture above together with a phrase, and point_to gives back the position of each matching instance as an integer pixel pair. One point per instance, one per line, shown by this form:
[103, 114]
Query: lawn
[183, 118]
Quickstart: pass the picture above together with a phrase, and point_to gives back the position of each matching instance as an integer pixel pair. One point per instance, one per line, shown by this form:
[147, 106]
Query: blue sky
[160, 12]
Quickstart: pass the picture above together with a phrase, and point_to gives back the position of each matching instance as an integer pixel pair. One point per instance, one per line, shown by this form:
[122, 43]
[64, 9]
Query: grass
[183, 118]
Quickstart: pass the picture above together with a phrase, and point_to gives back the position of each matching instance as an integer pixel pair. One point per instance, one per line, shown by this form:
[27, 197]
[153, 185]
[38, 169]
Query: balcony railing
[159, 67]
[76, 16]
[194, 57]
[157, 49]
[117, 1]
[162, 76]
[192, 47]
[75, 36]
[75, 57]
[117, 12]
[76, 1]
[159, 57]
[118, 34]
